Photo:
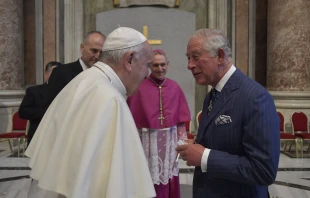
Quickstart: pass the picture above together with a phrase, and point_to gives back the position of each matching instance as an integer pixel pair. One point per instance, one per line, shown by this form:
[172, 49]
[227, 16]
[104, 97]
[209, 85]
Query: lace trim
[159, 147]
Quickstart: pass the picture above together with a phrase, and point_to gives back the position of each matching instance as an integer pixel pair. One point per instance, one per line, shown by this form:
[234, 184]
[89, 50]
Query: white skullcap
[123, 37]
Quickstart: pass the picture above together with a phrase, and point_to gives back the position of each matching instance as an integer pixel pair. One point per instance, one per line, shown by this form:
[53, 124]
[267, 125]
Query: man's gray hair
[117, 55]
[214, 40]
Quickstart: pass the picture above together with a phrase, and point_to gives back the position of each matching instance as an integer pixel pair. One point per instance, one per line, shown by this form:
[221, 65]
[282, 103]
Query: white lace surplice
[159, 147]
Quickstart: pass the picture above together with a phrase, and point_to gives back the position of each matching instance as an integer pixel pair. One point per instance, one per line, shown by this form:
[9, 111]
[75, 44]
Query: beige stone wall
[242, 35]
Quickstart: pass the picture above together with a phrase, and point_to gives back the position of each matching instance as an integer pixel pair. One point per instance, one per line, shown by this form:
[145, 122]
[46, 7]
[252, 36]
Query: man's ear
[128, 60]
[81, 47]
[221, 55]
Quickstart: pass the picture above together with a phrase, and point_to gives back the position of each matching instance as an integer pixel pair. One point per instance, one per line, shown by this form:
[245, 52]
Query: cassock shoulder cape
[87, 144]
[145, 103]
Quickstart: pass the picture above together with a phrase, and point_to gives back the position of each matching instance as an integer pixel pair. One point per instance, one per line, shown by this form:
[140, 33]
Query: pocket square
[223, 119]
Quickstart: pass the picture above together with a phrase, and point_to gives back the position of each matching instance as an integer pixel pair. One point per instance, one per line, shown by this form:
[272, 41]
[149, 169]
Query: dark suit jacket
[244, 154]
[31, 107]
[59, 78]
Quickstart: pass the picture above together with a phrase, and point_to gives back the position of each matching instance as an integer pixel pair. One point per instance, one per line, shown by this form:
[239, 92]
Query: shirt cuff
[204, 160]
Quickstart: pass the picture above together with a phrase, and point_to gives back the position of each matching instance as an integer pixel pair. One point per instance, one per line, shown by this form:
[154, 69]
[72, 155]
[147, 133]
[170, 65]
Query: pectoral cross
[146, 34]
[161, 118]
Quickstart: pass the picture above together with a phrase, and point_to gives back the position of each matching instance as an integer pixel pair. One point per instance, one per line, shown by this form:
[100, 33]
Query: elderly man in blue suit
[236, 152]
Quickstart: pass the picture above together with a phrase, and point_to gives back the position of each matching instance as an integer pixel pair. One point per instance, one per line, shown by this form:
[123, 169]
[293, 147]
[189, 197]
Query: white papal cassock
[87, 144]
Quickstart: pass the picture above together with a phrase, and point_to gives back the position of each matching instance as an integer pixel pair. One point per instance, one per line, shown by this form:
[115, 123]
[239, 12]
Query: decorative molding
[127, 3]
[291, 99]
[11, 98]
[11, 93]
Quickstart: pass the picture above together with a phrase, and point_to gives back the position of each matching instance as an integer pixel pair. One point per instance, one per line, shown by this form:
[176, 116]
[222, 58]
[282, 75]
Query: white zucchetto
[123, 37]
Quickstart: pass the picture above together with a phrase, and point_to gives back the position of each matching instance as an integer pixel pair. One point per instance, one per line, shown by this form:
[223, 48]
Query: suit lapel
[222, 99]
[42, 90]
[77, 68]
[204, 115]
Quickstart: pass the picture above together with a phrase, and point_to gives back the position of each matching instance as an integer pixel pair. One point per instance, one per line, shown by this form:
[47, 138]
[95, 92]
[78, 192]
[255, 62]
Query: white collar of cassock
[110, 74]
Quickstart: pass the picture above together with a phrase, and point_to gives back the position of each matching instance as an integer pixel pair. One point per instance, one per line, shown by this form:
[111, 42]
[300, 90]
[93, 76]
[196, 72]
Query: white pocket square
[223, 119]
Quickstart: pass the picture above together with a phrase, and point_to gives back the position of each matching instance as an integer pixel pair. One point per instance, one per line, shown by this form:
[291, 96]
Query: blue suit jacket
[244, 154]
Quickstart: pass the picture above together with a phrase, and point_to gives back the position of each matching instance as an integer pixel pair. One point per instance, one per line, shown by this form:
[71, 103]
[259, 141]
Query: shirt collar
[225, 78]
[84, 67]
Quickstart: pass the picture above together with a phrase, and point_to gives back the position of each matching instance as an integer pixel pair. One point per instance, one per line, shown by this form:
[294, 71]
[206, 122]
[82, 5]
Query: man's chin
[200, 82]
[160, 77]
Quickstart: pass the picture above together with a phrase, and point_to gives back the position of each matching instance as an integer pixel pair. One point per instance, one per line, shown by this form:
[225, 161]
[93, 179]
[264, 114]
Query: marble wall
[261, 42]
[49, 31]
[11, 48]
[242, 35]
[12, 59]
[288, 56]
[288, 45]
[29, 42]
[36, 46]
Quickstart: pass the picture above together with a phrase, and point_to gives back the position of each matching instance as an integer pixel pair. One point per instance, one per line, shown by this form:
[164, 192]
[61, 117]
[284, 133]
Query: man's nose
[190, 64]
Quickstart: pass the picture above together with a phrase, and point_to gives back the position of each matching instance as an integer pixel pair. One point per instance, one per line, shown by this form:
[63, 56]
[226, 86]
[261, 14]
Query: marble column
[288, 55]
[11, 49]
[11, 56]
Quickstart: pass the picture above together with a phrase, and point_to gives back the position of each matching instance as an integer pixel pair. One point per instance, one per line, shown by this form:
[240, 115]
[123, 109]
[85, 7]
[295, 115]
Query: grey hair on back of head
[117, 55]
[214, 40]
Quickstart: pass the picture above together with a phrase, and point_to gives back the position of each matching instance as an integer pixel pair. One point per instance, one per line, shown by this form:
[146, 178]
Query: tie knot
[214, 92]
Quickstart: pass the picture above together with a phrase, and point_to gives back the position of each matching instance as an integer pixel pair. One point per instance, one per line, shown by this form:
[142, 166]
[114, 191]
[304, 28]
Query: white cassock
[87, 144]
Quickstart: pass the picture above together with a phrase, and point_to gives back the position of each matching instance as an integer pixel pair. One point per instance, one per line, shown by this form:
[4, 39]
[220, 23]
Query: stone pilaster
[11, 49]
[12, 60]
[73, 31]
[288, 55]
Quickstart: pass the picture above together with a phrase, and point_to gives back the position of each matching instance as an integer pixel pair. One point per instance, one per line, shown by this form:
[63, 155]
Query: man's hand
[191, 153]
[190, 141]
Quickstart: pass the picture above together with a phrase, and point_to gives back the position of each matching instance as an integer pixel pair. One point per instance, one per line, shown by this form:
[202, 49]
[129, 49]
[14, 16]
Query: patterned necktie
[214, 94]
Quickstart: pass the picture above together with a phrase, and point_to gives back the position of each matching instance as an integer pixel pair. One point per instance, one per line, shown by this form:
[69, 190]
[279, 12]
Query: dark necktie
[214, 94]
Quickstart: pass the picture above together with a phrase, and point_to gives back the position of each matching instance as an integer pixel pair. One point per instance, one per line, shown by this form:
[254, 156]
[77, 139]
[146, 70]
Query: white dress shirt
[84, 67]
[219, 86]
